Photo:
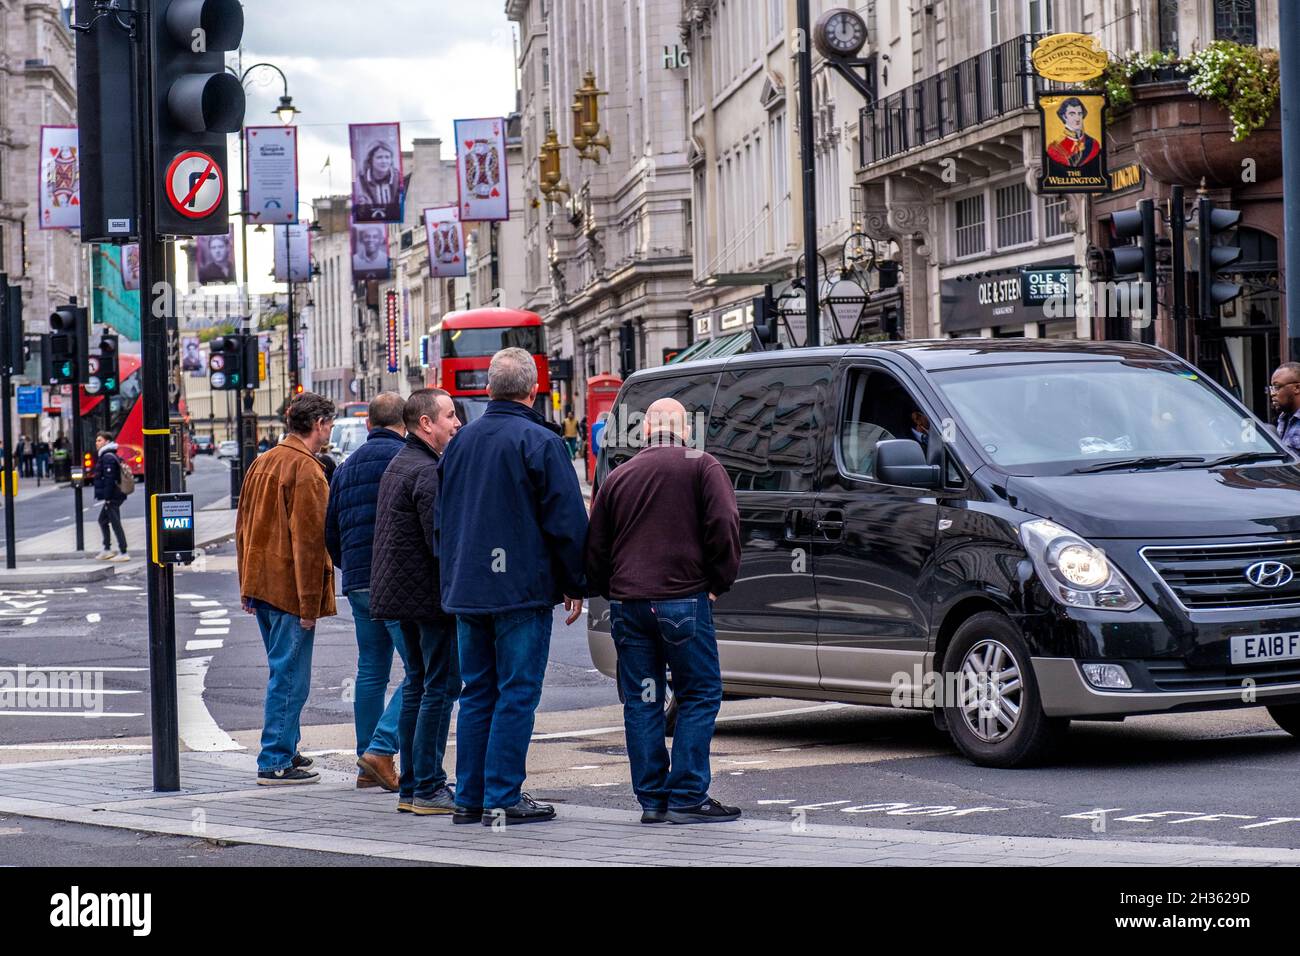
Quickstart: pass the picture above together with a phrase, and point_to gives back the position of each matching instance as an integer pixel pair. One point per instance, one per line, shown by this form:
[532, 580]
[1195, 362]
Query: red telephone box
[601, 392]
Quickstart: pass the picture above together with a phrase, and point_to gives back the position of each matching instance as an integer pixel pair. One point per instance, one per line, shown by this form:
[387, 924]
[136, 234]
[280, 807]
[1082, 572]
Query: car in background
[347, 435]
[204, 445]
[228, 449]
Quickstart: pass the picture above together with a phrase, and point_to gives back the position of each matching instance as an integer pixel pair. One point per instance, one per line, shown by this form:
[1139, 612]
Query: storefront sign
[1126, 178]
[1074, 150]
[1069, 58]
[1002, 298]
[1038, 285]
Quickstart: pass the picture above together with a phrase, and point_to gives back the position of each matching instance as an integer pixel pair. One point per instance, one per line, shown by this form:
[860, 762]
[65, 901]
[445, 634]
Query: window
[878, 409]
[1235, 20]
[1167, 25]
[1041, 18]
[1015, 216]
[969, 225]
[1054, 223]
[994, 33]
[623, 428]
[765, 426]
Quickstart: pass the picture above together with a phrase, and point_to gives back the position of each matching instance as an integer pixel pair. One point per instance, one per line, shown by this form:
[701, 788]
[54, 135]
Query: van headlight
[1073, 571]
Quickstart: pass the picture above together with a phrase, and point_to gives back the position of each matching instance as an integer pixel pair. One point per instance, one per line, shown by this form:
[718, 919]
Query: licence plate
[1265, 648]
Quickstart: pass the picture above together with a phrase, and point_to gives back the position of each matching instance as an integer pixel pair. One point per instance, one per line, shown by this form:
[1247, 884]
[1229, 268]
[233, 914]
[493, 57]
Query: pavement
[221, 802]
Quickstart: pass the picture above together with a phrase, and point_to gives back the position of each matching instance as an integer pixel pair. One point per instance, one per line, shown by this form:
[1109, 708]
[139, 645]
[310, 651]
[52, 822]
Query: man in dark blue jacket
[107, 471]
[511, 529]
[350, 537]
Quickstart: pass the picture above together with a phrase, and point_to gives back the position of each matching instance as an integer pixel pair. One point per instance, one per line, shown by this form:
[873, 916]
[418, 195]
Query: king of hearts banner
[481, 170]
[60, 179]
[446, 238]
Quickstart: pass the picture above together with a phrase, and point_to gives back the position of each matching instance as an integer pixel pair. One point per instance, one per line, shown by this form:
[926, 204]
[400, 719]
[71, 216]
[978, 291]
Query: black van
[1010, 532]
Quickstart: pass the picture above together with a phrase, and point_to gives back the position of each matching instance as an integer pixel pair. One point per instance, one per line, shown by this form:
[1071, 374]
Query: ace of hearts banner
[481, 170]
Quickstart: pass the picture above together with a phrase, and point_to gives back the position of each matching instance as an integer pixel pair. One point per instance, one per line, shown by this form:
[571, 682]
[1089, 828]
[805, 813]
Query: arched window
[1235, 20]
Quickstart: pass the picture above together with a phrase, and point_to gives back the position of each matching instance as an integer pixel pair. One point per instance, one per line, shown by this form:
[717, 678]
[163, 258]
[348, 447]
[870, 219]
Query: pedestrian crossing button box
[172, 519]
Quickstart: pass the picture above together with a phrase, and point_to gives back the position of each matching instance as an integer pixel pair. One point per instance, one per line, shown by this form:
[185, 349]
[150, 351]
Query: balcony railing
[985, 87]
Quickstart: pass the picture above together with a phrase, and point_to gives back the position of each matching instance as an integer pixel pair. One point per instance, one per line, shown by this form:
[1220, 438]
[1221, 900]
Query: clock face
[842, 33]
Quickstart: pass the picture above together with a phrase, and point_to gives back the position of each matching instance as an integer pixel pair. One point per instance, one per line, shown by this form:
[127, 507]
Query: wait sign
[172, 520]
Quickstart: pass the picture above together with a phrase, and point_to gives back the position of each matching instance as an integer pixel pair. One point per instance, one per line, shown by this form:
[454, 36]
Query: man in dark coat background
[404, 586]
[511, 528]
[350, 537]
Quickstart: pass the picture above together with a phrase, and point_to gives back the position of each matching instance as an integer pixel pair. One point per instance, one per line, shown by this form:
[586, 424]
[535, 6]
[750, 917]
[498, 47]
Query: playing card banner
[296, 250]
[446, 238]
[272, 174]
[481, 170]
[216, 258]
[369, 252]
[60, 179]
[376, 172]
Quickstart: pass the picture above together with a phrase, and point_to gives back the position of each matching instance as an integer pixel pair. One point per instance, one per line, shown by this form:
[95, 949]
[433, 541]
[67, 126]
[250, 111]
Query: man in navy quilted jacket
[350, 537]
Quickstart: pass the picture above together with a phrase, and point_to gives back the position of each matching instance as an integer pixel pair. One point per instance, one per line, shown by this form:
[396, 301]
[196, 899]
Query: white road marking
[62, 691]
[211, 614]
[75, 747]
[818, 806]
[203, 645]
[597, 731]
[121, 587]
[197, 728]
[189, 597]
[92, 618]
[199, 631]
[72, 667]
[89, 715]
[605, 784]
[763, 803]
[205, 604]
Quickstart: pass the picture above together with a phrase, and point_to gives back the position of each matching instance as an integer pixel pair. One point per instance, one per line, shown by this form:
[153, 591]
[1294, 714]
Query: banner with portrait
[481, 170]
[369, 252]
[1072, 125]
[130, 263]
[59, 193]
[192, 356]
[376, 172]
[293, 245]
[446, 238]
[272, 174]
[215, 257]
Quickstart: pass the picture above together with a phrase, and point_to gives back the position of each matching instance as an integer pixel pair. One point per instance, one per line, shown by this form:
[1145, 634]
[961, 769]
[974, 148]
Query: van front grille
[1177, 676]
[1207, 576]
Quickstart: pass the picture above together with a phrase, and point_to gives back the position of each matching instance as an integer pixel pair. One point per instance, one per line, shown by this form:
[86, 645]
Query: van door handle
[830, 523]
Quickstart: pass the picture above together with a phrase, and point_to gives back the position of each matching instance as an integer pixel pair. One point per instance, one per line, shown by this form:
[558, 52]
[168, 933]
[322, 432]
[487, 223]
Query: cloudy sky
[421, 62]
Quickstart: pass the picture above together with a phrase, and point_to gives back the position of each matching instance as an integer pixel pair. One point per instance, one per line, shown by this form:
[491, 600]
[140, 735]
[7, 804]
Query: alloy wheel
[990, 690]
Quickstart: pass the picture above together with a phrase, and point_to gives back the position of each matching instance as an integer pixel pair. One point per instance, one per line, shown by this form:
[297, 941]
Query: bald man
[663, 543]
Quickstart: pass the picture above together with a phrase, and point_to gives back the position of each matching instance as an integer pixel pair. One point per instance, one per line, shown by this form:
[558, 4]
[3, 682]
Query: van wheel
[1286, 716]
[670, 710]
[996, 718]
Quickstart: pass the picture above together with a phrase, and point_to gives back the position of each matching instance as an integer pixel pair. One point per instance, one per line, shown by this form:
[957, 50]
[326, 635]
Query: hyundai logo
[1269, 574]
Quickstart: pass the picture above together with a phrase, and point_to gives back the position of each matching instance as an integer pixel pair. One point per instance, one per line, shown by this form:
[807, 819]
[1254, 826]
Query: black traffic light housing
[626, 349]
[62, 348]
[12, 348]
[1137, 260]
[1213, 258]
[252, 377]
[226, 363]
[766, 318]
[105, 367]
[196, 101]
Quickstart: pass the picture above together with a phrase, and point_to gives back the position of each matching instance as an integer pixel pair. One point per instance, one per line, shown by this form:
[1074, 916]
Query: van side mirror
[901, 461]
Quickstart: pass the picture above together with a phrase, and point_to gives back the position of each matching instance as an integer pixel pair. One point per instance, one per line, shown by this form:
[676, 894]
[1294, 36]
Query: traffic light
[226, 363]
[1214, 258]
[766, 318]
[1137, 260]
[626, 349]
[254, 360]
[109, 367]
[61, 347]
[196, 103]
[12, 350]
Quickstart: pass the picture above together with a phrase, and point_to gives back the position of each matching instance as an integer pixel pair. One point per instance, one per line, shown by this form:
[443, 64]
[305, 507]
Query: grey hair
[512, 375]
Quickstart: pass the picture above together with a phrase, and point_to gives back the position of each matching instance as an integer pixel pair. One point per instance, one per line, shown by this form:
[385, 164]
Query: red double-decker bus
[125, 418]
[464, 344]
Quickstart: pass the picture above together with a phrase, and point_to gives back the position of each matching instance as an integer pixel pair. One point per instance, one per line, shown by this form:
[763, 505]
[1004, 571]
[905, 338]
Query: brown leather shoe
[365, 781]
[381, 768]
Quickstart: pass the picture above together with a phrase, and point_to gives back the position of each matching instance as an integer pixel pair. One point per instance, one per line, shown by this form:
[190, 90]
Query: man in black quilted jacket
[405, 587]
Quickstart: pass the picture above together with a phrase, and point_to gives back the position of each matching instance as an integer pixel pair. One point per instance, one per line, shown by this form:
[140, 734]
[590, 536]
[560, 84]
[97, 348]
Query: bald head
[665, 418]
[386, 412]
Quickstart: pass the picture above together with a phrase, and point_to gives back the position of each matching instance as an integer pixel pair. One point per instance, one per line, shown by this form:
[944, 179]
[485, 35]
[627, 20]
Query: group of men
[455, 547]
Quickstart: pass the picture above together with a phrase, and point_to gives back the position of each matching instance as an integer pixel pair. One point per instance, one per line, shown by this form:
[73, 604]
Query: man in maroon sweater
[663, 543]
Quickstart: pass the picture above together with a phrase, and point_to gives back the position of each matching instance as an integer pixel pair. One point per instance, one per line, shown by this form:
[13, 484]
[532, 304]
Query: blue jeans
[679, 633]
[376, 640]
[503, 661]
[288, 652]
[431, 688]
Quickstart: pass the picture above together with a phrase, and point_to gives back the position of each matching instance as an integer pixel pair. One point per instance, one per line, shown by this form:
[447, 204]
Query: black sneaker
[303, 763]
[279, 778]
[467, 815]
[654, 816]
[527, 810]
[710, 811]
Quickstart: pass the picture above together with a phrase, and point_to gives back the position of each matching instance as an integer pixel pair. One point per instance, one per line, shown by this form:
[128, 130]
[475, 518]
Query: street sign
[29, 400]
[195, 184]
[173, 528]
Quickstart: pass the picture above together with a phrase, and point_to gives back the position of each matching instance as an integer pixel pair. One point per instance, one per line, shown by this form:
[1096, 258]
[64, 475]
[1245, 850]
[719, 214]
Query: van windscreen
[1057, 418]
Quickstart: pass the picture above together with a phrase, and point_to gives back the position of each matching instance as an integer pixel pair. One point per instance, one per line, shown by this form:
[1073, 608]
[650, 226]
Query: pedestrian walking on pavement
[25, 455]
[285, 576]
[511, 526]
[571, 434]
[107, 479]
[664, 542]
[350, 537]
[405, 586]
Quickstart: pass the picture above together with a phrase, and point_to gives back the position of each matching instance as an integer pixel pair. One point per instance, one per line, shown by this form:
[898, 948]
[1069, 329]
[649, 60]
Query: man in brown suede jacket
[286, 577]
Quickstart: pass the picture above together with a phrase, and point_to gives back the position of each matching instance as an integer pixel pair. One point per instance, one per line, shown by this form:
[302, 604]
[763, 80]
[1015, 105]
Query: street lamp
[286, 111]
